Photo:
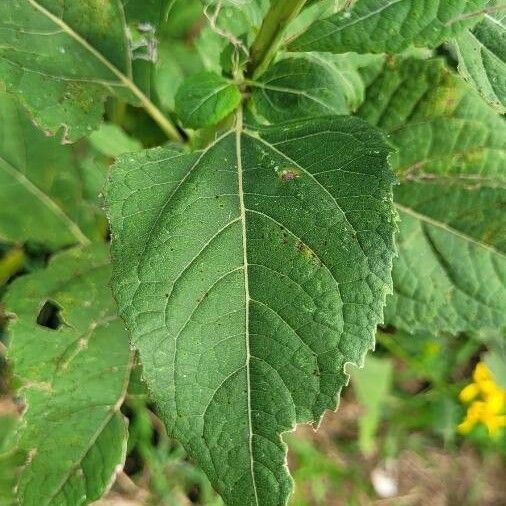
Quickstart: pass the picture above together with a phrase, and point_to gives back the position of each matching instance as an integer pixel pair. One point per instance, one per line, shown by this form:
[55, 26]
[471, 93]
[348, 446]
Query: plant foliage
[261, 157]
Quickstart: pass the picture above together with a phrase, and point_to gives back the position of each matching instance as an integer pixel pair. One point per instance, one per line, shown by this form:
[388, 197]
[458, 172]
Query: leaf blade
[390, 26]
[482, 58]
[64, 422]
[248, 274]
[205, 99]
[308, 85]
[63, 61]
[451, 153]
[40, 186]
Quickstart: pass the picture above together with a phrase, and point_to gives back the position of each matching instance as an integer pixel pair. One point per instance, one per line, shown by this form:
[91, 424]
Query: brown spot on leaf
[307, 251]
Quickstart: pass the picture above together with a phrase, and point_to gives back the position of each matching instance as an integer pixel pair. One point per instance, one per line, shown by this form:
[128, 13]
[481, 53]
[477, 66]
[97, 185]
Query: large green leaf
[482, 57]
[63, 58]
[249, 274]
[74, 378]
[377, 26]
[40, 185]
[451, 270]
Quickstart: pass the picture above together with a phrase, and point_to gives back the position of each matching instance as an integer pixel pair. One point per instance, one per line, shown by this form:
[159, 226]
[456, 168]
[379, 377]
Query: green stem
[274, 24]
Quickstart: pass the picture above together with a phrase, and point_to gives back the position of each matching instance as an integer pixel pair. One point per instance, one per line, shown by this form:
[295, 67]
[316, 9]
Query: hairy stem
[274, 24]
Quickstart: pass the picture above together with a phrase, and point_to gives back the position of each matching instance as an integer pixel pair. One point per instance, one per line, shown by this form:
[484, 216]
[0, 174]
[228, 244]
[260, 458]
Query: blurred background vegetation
[422, 424]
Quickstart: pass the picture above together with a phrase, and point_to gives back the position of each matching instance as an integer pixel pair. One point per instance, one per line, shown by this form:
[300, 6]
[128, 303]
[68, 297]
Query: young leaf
[378, 26]
[72, 355]
[309, 85]
[249, 274]
[451, 270]
[482, 58]
[40, 186]
[204, 99]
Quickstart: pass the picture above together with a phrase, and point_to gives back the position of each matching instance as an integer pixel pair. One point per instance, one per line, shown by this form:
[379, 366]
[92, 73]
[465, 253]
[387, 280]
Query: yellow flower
[487, 402]
[469, 393]
[481, 373]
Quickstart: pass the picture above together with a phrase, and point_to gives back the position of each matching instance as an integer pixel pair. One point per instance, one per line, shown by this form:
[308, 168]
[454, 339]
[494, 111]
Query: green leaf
[74, 378]
[176, 62]
[309, 85]
[40, 185]
[249, 274]
[63, 59]
[482, 57]
[110, 140]
[372, 386]
[312, 11]
[378, 26]
[204, 99]
[451, 271]
[11, 460]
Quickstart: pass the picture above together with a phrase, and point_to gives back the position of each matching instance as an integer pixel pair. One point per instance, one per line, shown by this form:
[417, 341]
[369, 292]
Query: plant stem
[274, 24]
[162, 121]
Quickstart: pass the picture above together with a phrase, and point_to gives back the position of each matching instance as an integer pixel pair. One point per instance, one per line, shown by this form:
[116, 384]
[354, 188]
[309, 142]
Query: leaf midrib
[238, 136]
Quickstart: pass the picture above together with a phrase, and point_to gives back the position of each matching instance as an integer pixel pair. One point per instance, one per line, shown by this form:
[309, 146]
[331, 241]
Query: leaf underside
[73, 378]
[451, 271]
[249, 274]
